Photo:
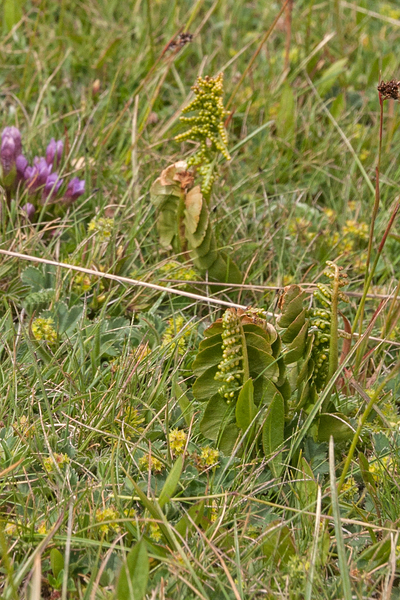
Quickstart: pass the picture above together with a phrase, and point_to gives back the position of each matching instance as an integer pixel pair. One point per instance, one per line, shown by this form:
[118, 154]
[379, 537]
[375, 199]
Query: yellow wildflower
[101, 227]
[177, 441]
[110, 515]
[155, 532]
[208, 457]
[60, 459]
[42, 329]
[155, 465]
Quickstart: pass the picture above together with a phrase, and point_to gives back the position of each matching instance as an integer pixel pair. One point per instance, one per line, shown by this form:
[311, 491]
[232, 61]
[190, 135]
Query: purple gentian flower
[11, 147]
[52, 185]
[76, 188]
[37, 175]
[21, 163]
[54, 151]
[29, 209]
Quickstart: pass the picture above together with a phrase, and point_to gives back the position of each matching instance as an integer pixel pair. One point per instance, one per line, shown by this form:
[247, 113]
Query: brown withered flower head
[389, 89]
[180, 41]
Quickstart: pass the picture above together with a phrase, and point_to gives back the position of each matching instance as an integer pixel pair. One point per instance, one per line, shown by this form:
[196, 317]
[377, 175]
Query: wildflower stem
[373, 219]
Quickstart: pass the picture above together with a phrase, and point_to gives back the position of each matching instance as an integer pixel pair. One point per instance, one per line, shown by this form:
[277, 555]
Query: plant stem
[373, 219]
[333, 344]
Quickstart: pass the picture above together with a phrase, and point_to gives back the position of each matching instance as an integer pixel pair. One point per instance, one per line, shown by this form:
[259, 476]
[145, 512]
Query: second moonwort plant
[41, 179]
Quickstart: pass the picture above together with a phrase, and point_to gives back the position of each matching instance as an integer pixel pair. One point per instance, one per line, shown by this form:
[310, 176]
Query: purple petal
[52, 185]
[54, 151]
[76, 188]
[21, 163]
[29, 209]
[15, 135]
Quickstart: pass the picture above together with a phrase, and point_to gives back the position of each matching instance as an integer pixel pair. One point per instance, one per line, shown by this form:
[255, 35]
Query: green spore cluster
[206, 127]
[229, 369]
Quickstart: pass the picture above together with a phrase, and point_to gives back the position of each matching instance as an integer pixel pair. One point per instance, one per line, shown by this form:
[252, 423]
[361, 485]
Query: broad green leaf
[167, 225]
[195, 514]
[206, 386]
[196, 238]
[269, 334]
[214, 329]
[262, 363]
[334, 424]
[228, 439]
[214, 417]
[246, 410]
[294, 328]
[56, 561]
[193, 207]
[258, 342]
[330, 76]
[211, 340]
[207, 358]
[132, 581]
[273, 432]
[171, 482]
[286, 117]
[278, 546]
[298, 347]
[292, 305]
[224, 270]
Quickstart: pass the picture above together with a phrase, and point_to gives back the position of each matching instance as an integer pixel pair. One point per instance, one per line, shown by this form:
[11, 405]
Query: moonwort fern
[249, 371]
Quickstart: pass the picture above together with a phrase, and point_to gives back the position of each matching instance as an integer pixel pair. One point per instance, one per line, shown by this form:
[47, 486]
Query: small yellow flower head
[155, 465]
[349, 489]
[174, 270]
[177, 441]
[82, 283]
[378, 468]
[59, 459]
[208, 457]
[109, 515]
[24, 427]
[155, 532]
[42, 529]
[42, 329]
[173, 336]
[101, 227]
[11, 529]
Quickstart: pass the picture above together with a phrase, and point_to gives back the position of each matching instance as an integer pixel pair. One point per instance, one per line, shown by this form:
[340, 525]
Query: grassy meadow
[199, 313]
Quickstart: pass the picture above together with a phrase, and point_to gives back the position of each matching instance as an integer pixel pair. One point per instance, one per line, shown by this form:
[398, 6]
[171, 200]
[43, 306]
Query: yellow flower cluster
[42, 329]
[349, 489]
[208, 457]
[170, 335]
[155, 532]
[109, 515]
[59, 459]
[378, 468]
[101, 227]
[177, 441]
[174, 270]
[147, 461]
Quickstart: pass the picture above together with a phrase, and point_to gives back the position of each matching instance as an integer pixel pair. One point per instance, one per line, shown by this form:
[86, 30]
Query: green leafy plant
[183, 223]
[248, 370]
[183, 216]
